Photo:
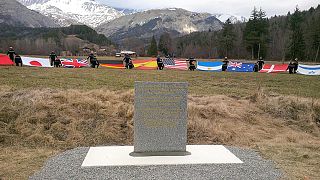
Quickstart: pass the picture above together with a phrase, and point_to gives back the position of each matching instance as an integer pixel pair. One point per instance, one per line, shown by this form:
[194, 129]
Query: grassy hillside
[46, 111]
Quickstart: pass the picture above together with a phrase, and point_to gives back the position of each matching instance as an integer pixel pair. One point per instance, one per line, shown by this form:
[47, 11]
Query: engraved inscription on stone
[160, 120]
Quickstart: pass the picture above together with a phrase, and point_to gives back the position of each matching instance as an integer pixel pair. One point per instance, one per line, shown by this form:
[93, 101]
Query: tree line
[41, 41]
[295, 35]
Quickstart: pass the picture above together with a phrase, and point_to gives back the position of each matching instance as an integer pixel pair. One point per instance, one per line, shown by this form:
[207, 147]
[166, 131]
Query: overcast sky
[234, 7]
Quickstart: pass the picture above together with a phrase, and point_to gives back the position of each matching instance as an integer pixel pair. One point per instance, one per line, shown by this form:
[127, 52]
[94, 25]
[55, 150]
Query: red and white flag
[74, 63]
[35, 62]
[277, 68]
[5, 60]
[175, 64]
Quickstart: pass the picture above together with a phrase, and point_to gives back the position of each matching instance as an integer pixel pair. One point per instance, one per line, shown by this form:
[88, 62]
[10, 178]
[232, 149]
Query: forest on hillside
[296, 35]
[41, 41]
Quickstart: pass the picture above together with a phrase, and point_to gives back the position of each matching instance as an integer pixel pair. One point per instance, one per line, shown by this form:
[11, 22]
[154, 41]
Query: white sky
[234, 7]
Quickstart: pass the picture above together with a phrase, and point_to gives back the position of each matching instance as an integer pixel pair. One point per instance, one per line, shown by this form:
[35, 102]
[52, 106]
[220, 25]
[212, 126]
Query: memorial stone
[160, 119]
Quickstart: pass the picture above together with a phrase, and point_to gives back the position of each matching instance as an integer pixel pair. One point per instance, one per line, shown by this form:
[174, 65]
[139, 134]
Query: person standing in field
[95, 63]
[160, 63]
[93, 60]
[291, 67]
[53, 58]
[296, 65]
[260, 63]
[18, 60]
[192, 64]
[11, 53]
[225, 64]
[126, 61]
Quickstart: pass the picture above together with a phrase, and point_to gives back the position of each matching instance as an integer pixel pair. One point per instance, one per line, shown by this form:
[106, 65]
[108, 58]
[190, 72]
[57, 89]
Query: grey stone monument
[160, 119]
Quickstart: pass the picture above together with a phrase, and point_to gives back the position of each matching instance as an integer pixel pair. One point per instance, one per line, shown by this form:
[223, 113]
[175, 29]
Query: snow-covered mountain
[233, 18]
[145, 24]
[128, 11]
[67, 12]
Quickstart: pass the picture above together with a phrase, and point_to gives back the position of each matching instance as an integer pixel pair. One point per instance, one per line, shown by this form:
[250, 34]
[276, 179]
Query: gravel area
[68, 166]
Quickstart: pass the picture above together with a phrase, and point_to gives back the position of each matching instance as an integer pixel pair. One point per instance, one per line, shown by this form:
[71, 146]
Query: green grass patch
[231, 84]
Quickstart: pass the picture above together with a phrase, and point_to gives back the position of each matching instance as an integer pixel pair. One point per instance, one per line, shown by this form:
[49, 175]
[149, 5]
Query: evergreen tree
[165, 44]
[228, 37]
[153, 49]
[297, 45]
[256, 33]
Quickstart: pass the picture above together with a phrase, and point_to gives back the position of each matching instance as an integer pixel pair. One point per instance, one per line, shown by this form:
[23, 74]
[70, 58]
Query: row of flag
[176, 64]
[249, 67]
[42, 62]
[217, 66]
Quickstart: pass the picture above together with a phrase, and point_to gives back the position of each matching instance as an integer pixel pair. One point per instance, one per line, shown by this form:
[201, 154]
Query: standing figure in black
[95, 63]
[52, 58]
[296, 65]
[291, 67]
[11, 53]
[160, 63]
[260, 63]
[93, 60]
[18, 60]
[225, 64]
[126, 61]
[192, 64]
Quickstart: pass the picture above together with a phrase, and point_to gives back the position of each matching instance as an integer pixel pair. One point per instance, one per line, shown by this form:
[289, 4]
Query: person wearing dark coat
[260, 63]
[18, 60]
[11, 53]
[93, 60]
[192, 64]
[225, 64]
[160, 63]
[52, 58]
[291, 67]
[95, 63]
[127, 60]
[130, 64]
[57, 63]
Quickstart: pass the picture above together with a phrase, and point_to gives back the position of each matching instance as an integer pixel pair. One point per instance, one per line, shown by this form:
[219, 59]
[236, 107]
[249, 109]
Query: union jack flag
[175, 64]
[74, 63]
[235, 64]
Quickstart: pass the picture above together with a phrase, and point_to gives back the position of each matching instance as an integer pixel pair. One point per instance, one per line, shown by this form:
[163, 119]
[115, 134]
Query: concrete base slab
[119, 156]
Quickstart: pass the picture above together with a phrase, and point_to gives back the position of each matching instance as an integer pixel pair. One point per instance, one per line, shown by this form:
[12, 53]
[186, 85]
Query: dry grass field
[47, 111]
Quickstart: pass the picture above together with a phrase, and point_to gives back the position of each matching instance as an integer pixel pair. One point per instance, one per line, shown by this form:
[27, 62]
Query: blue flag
[240, 67]
[210, 66]
[309, 70]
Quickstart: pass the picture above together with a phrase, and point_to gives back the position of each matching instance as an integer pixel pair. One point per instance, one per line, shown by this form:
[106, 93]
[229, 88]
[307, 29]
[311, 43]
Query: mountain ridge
[154, 22]
[67, 12]
[15, 14]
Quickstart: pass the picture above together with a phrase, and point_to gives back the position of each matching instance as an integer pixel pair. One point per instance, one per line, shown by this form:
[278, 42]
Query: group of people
[257, 66]
[54, 60]
[293, 65]
[94, 63]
